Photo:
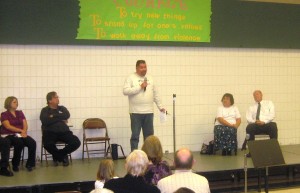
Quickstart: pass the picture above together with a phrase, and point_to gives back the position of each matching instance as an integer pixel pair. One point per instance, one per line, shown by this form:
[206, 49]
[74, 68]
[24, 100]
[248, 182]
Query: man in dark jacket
[54, 127]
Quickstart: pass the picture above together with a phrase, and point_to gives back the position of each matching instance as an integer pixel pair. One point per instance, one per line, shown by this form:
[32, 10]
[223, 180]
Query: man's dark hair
[140, 62]
[229, 96]
[179, 164]
[50, 95]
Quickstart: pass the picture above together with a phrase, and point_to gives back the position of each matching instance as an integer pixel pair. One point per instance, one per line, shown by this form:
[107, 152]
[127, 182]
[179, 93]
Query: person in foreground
[226, 124]
[183, 176]
[133, 182]
[260, 118]
[157, 168]
[141, 92]
[4, 149]
[105, 172]
[184, 190]
[54, 120]
[14, 127]
[101, 190]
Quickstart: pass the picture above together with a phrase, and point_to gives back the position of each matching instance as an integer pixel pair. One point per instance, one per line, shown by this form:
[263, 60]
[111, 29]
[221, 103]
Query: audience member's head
[137, 163]
[183, 159]
[152, 147]
[184, 190]
[106, 170]
[101, 190]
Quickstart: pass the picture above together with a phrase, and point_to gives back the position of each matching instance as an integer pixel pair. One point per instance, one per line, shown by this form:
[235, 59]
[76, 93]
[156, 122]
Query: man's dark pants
[50, 139]
[138, 122]
[255, 129]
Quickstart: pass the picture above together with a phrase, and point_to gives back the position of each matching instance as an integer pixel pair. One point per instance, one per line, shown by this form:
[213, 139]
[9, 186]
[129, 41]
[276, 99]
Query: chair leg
[108, 150]
[105, 155]
[22, 156]
[42, 147]
[70, 156]
[83, 149]
[87, 151]
[244, 145]
[122, 151]
[46, 156]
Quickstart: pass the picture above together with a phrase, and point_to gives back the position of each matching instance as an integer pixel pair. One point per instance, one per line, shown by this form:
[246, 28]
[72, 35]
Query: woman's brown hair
[106, 170]
[152, 147]
[8, 101]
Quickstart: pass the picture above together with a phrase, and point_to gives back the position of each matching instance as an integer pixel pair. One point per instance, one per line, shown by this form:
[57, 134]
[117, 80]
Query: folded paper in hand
[163, 117]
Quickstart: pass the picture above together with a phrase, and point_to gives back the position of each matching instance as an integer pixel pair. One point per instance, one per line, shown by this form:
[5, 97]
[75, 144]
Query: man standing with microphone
[141, 94]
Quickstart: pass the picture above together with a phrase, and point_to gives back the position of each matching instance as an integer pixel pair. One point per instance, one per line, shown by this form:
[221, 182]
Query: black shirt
[53, 120]
[130, 184]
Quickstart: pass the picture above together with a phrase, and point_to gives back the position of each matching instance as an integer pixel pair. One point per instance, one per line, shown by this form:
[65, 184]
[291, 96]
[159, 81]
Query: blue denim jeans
[138, 122]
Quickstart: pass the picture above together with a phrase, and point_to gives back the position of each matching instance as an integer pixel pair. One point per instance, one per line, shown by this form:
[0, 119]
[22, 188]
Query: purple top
[16, 121]
[156, 172]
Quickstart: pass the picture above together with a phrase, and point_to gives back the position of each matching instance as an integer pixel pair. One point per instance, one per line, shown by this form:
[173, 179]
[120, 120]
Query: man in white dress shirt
[183, 176]
[260, 117]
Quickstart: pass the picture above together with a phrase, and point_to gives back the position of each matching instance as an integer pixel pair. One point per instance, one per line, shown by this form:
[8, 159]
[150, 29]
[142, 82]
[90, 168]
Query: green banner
[145, 20]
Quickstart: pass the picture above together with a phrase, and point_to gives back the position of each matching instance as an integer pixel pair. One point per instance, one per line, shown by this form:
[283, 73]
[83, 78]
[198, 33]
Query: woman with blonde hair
[133, 182]
[157, 168]
[105, 172]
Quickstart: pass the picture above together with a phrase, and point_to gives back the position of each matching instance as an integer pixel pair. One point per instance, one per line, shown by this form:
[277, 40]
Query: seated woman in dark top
[14, 128]
[133, 182]
[157, 168]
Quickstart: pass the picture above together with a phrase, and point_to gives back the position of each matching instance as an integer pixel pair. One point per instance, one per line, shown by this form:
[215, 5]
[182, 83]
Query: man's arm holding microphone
[130, 88]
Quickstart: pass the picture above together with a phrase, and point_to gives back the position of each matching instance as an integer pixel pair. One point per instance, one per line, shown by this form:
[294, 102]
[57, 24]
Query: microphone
[145, 80]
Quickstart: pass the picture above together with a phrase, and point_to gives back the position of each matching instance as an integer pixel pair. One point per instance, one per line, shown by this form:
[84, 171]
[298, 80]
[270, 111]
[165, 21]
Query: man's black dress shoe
[5, 172]
[29, 168]
[15, 168]
[66, 161]
[55, 162]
